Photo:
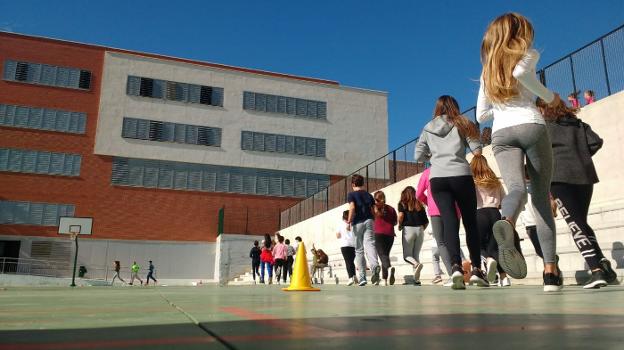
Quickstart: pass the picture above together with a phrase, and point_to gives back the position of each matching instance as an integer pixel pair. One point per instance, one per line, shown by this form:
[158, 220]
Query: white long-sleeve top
[520, 109]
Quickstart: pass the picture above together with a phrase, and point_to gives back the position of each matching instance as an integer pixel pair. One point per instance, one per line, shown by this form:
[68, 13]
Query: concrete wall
[173, 260]
[606, 211]
[232, 256]
[358, 112]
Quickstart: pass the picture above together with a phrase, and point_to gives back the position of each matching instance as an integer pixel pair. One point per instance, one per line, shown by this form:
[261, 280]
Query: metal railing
[597, 66]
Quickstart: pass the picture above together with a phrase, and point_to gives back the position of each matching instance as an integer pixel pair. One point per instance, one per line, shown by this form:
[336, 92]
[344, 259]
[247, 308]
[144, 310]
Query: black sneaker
[610, 275]
[509, 258]
[457, 276]
[392, 276]
[597, 280]
[478, 277]
[552, 282]
[375, 277]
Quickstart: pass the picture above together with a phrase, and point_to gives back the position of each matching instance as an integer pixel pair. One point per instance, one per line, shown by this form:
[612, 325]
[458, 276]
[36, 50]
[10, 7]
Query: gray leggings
[413, 237]
[437, 227]
[510, 146]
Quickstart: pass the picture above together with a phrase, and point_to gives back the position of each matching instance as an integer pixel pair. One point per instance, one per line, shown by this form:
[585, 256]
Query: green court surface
[338, 317]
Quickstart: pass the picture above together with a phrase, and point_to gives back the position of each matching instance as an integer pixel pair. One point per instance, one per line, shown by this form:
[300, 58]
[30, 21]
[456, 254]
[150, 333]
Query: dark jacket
[573, 143]
[254, 254]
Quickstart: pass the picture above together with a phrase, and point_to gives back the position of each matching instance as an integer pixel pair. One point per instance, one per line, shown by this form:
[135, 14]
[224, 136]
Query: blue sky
[414, 50]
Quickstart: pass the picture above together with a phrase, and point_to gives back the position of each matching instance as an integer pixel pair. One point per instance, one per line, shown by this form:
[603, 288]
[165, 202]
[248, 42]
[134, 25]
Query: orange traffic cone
[300, 279]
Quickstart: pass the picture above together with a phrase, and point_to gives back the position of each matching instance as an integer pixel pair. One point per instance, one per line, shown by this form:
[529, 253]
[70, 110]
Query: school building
[152, 147]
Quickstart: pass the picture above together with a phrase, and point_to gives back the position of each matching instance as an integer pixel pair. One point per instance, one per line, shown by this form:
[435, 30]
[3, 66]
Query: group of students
[589, 95]
[274, 256]
[540, 146]
[134, 273]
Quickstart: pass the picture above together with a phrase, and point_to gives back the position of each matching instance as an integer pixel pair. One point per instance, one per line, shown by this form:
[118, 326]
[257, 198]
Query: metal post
[394, 167]
[573, 78]
[604, 64]
[73, 284]
[327, 198]
[367, 188]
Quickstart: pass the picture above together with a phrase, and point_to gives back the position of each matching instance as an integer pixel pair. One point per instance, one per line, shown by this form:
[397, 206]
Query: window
[174, 91]
[262, 142]
[284, 105]
[39, 162]
[44, 74]
[153, 130]
[211, 178]
[30, 213]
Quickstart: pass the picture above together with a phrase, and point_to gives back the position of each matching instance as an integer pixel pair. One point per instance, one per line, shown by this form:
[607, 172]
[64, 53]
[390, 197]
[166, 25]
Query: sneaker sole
[478, 281]
[510, 259]
[596, 284]
[611, 275]
[362, 284]
[458, 281]
[417, 271]
[392, 276]
[491, 271]
[551, 288]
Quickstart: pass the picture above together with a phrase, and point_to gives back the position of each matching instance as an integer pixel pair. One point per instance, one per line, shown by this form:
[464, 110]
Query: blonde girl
[412, 223]
[507, 94]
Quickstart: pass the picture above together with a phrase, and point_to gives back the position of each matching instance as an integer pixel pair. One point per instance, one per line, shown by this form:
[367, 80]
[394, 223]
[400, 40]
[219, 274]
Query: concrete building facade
[151, 147]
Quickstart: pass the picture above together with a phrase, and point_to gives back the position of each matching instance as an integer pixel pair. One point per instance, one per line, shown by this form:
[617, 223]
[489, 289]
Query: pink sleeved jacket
[427, 199]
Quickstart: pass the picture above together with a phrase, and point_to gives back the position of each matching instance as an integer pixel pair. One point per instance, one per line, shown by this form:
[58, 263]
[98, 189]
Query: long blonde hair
[504, 43]
[409, 200]
[448, 106]
[482, 174]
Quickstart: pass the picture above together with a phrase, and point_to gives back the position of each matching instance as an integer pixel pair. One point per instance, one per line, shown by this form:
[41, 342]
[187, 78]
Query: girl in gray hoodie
[443, 142]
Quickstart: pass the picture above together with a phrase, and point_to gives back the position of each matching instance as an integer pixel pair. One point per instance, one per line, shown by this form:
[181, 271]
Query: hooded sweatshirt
[441, 144]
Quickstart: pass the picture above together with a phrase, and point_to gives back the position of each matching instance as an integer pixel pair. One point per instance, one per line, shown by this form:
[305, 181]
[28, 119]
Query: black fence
[597, 66]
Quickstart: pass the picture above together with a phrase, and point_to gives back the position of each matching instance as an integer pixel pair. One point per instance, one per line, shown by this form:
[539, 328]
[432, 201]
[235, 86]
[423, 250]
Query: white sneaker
[448, 283]
[362, 283]
[491, 270]
[351, 282]
[417, 269]
[505, 282]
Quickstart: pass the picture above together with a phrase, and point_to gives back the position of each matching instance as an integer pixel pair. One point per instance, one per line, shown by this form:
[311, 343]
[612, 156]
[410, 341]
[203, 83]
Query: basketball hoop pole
[73, 284]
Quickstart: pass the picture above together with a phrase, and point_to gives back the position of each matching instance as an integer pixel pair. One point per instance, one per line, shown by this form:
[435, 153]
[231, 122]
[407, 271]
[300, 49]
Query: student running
[412, 224]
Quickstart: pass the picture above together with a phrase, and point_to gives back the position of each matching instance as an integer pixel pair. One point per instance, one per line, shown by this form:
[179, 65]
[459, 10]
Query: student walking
[254, 254]
[385, 220]
[150, 274]
[266, 259]
[574, 143]
[117, 268]
[412, 223]
[490, 193]
[361, 222]
[507, 93]
[279, 256]
[347, 247]
[134, 269]
[443, 142]
[290, 259]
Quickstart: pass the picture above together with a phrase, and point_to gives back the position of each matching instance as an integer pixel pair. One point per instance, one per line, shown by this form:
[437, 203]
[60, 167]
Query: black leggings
[383, 244]
[531, 231]
[348, 253]
[289, 267]
[486, 217]
[573, 202]
[255, 269]
[461, 190]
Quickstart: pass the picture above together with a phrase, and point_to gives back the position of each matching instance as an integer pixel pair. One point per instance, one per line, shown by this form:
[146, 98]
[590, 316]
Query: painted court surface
[338, 317]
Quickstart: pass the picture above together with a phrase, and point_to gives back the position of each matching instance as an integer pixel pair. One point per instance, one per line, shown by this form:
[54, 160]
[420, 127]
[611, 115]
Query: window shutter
[21, 71]
[310, 148]
[249, 183]
[275, 185]
[49, 119]
[168, 133]
[133, 86]
[143, 129]
[312, 108]
[191, 134]
[249, 100]
[321, 111]
[48, 74]
[147, 87]
[209, 180]
[57, 162]
[155, 132]
[165, 177]
[195, 178]
[288, 186]
[290, 144]
[35, 120]
[120, 171]
[50, 214]
[62, 120]
[35, 217]
[280, 143]
[223, 181]
[34, 73]
[262, 183]
[158, 88]
[180, 133]
[135, 174]
[205, 96]
[82, 123]
[74, 78]
[129, 128]
[236, 182]
[21, 116]
[43, 162]
[246, 140]
[181, 177]
[300, 145]
[270, 141]
[300, 187]
[281, 104]
[271, 103]
[320, 148]
[217, 96]
[74, 122]
[20, 214]
[29, 161]
[258, 141]
[291, 106]
[312, 187]
[194, 93]
[3, 109]
[9, 117]
[10, 68]
[68, 166]
[15, 160]
[84, 81]
[6, 212]
[62, 77]
[261, 102]
[76, 165]
[302, 107]
[150, 175]
[4, 159]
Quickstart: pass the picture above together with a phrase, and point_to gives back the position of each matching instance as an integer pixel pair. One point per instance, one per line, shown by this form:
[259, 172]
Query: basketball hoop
[74, 231]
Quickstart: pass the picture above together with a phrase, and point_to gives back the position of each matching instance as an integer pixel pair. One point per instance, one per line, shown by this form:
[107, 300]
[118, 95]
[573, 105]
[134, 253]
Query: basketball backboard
[75, 226]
